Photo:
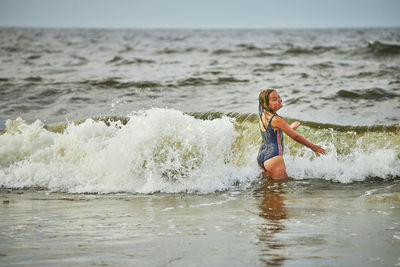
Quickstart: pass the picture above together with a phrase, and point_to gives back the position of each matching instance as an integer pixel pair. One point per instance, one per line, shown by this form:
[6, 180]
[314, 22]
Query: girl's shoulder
[277, 121]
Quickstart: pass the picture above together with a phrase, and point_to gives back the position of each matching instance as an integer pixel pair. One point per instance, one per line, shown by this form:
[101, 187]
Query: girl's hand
[318, 150]
[295, 125]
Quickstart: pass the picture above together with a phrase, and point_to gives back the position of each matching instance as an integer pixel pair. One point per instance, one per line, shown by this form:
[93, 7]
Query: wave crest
[156, 150]
[383, 49]
[371, 93]
[162, 150]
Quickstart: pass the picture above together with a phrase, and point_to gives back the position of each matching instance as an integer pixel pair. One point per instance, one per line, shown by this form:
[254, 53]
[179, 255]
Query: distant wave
[309, 50]
[198, 81]
[271, 67]
[76, 61]
[119, 61]
[383, 49]
[116, 83]
[249, 47]
[22, 49]
[222, 51]
[182, 50]
[383, 72]
[33, 79]
[371, 93]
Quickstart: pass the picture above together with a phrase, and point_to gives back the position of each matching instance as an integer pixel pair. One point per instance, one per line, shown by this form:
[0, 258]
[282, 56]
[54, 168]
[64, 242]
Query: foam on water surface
[157, 150]
[164, 150]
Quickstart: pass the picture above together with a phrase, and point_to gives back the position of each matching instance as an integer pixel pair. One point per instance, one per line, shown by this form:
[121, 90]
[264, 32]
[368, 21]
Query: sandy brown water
[273, 224]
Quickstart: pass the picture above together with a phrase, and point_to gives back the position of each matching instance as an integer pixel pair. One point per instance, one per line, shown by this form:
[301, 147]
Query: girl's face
[275, 101]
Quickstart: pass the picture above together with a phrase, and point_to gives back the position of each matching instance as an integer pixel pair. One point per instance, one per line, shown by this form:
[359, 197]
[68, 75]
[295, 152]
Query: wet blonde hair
[263, 98]
[263, 101]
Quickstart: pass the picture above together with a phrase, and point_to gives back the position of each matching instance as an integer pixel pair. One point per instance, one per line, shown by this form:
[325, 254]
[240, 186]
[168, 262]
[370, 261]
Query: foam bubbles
[358, 164]
[162, 150]
[157, 150]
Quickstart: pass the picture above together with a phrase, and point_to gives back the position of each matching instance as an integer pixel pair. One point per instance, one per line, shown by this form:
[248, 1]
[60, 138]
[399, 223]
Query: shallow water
[274, 223]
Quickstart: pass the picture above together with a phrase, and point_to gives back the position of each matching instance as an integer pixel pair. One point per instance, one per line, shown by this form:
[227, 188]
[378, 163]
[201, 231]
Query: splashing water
[163, 150]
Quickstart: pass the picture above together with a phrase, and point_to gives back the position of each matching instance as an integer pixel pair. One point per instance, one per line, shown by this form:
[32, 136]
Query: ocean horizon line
[197, 28]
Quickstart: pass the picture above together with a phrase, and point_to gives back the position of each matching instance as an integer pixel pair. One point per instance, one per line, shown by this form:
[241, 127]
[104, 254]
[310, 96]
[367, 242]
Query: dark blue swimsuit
[272, 144]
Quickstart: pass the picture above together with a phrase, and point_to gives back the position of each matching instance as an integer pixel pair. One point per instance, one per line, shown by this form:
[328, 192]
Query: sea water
[138, 147]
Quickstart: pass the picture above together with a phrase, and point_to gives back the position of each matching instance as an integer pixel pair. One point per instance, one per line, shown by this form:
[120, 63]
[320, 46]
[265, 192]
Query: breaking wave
[163, 150]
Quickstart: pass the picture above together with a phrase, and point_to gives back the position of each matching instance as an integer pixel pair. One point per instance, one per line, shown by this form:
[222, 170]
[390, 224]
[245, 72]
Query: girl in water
[270, 155]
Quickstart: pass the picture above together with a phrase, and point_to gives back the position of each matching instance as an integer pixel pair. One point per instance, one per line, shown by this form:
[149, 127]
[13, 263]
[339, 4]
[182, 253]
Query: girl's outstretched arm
[280, 123]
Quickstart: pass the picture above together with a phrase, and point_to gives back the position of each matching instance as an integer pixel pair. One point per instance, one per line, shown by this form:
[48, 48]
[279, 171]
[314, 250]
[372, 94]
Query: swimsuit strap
[269, 122]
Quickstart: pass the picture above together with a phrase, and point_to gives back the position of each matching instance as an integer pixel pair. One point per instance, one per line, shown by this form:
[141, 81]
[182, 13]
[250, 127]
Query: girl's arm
[280, 123]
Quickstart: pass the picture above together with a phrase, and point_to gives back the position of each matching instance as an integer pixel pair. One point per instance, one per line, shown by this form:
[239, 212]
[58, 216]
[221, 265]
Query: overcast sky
[200, 13]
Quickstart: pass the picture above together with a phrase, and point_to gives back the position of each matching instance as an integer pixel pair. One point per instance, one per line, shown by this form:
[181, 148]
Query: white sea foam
[157, 150]
[358, 165]
[167, 151]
